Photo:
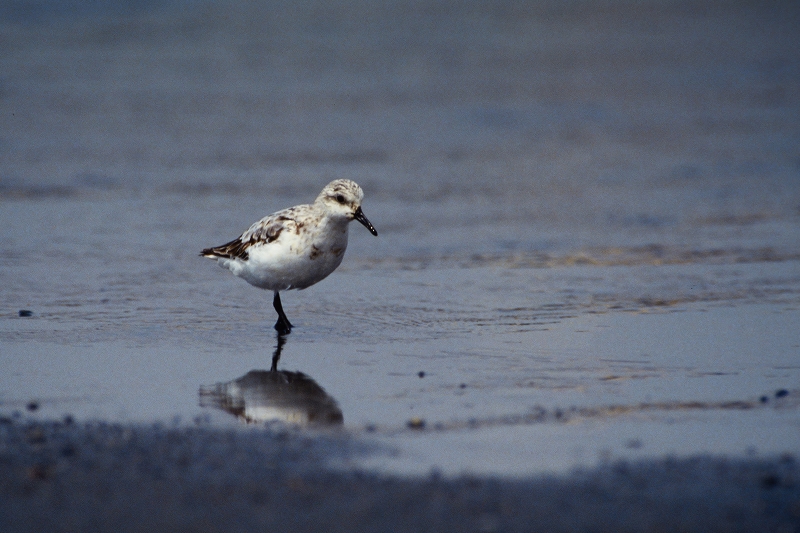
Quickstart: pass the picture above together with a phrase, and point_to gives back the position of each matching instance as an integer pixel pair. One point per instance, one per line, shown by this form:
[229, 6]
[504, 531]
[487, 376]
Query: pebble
[416, 423]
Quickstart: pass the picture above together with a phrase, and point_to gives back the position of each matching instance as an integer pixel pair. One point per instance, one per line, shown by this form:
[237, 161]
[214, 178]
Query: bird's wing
[265, 231]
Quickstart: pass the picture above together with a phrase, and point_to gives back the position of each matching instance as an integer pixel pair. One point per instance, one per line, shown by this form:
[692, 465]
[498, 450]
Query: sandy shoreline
[66, 476]
[581, 205]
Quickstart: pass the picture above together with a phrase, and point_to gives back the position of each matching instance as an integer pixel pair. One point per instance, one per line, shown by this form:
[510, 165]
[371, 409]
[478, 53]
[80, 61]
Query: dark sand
[107, 477]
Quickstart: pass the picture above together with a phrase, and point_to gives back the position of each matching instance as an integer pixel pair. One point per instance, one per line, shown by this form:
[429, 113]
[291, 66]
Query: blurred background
[559, 106]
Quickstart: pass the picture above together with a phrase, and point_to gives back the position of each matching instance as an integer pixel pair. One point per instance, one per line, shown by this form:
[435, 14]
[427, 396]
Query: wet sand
[558, 393]
[581, 312]
[106, 477]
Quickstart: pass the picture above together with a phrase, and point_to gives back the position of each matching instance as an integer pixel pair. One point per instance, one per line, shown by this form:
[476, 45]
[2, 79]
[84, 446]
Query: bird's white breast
[296, 260]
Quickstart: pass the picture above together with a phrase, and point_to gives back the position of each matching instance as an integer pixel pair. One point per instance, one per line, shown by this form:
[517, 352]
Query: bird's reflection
[274, 395]
[276, 356]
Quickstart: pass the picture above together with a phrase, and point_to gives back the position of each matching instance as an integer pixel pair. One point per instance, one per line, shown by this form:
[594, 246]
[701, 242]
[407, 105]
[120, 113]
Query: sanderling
[295, 247]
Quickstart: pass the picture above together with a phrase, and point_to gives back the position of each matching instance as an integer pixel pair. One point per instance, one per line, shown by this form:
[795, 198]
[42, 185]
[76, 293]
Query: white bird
[295, 247]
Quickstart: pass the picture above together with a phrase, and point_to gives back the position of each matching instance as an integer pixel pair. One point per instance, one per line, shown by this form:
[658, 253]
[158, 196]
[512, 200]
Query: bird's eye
[340, 198]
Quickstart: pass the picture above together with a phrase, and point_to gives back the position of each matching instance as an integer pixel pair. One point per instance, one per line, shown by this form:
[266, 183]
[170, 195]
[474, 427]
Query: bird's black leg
[282, 326]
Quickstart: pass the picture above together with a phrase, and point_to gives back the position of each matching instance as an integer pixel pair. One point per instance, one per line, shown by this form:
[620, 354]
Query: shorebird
[296, 247]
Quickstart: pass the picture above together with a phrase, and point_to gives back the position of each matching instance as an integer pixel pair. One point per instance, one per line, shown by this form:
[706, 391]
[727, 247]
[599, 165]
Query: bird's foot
[283, 327]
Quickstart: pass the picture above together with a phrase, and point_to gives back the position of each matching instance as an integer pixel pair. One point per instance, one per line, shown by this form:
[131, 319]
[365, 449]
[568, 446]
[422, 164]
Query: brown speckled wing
[265, 231]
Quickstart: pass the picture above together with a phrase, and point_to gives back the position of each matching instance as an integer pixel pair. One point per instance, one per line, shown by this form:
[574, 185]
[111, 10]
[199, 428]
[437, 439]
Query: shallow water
[589, 221]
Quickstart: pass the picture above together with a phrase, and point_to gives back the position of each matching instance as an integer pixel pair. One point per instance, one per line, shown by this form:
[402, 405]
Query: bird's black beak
[359, 215]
